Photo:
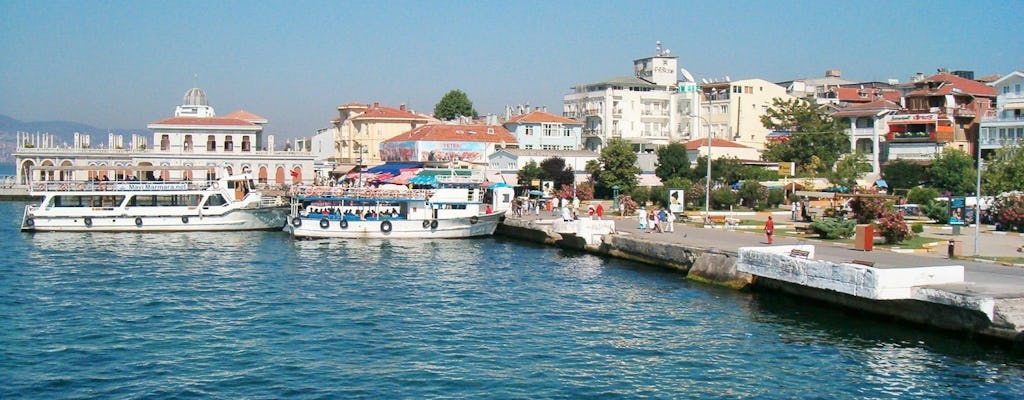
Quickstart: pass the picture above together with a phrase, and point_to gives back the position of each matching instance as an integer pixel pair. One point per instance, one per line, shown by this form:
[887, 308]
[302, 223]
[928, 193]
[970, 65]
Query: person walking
[769, 228]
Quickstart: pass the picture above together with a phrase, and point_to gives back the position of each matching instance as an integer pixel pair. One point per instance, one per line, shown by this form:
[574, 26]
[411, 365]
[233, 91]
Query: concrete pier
[973, 298]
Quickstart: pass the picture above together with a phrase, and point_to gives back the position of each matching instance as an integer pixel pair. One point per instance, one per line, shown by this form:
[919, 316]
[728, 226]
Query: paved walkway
[982, 278]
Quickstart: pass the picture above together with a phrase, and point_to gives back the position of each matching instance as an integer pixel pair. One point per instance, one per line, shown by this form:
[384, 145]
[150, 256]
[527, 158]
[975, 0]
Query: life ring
[103, 186]
[88, 221]
[433, 224]
[63, 187]
[30, 222]
[184, 219]
[426, 223]
[344, 224]
[308, 191]
[296, 222]
[474, 219]
[338, 192]
[385, 226]
[41, 186]
[318, 191]
[215, 185]
[325, 223]
[138, 221]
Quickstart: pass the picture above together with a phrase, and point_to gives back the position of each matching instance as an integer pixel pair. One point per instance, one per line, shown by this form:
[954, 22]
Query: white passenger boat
[227, 204]
[390, 211]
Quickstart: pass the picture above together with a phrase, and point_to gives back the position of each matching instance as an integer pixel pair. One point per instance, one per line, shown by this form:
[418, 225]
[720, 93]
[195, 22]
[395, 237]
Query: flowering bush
[627, 205]
[1008, 210]
[695, 196]
[893, 227]
[866, 209]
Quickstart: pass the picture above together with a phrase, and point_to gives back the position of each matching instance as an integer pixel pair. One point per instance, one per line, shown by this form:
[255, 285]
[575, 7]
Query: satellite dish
[686, 75]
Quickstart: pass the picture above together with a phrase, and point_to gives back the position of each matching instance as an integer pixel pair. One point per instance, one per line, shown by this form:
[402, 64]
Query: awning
[881, 183]
[1014, 106]
[343, 168]
[393, 168]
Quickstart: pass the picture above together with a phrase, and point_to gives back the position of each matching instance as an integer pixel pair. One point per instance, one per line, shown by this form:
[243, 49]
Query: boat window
[85, 201]
[164, 200]
[215, 200]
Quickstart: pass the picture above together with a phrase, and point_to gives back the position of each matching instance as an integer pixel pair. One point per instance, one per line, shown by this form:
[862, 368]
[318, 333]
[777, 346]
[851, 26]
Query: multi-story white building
[650, 109]
[194, 137]
[1006, 127]
[733, 109]
[868, 127]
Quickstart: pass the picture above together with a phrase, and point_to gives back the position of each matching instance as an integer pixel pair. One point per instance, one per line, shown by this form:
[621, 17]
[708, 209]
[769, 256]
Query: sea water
[258, 315]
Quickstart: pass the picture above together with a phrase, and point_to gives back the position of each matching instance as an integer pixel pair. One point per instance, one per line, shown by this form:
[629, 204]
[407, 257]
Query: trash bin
[864, 237]
[955, 248]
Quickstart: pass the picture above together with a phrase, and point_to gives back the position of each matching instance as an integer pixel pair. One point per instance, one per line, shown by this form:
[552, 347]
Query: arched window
[165, 142]
[279, 177]
[865, 146]
[228, 144]
[263, 174]
[211, 143]
[246, 146]
[188, 143]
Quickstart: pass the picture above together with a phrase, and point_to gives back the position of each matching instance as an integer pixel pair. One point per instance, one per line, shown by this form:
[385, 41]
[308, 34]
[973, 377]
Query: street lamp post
[977, 184]
[707, 189]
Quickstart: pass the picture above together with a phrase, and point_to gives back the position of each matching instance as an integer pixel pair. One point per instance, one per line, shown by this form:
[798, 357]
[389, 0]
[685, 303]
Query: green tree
[953, 170]
[849, 169]
[723, 170]
[753, 195]
[812, 133]
[617, 166]
[903, 174]
[1004, 171]
[673, 162]
[554, 169]
[922, 195]
[528, 173]
[454, 104]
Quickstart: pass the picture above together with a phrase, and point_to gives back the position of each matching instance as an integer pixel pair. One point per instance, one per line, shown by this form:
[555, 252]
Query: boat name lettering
[150, 186]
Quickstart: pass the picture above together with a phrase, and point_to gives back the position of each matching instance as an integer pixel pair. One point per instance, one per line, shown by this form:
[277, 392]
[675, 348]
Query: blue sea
[257, 315]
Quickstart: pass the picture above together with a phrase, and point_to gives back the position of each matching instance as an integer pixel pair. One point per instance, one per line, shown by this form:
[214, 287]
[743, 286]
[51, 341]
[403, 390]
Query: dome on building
[195, 97]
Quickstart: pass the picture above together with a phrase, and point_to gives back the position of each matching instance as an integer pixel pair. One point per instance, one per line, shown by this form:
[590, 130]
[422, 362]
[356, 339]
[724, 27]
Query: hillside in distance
[63, 130]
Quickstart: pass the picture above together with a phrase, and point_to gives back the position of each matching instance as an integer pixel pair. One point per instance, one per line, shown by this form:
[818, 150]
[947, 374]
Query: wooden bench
[864, 263]
[799, 253]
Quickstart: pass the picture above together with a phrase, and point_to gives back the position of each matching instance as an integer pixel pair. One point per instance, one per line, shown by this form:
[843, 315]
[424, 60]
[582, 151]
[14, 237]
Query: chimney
[402, 107]
[376, 104]
[833, 73]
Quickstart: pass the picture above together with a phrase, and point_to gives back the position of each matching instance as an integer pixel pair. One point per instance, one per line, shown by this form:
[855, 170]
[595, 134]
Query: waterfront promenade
[980, 279]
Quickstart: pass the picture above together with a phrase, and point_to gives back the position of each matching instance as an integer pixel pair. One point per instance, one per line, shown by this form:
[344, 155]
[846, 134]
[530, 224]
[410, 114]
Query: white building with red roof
[539, 130]
[194, 137]
[443, 143]
[868, 126]
[1006, 126]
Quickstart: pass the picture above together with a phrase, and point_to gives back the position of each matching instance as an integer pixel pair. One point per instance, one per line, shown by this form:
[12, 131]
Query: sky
[124, 64]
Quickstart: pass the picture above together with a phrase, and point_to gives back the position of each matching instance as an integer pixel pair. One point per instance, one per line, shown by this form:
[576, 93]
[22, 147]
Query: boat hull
[236, 220]
[452, 228]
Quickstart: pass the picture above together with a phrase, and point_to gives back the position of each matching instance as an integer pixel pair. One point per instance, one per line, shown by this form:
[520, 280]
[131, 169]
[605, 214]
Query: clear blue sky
[115, 64]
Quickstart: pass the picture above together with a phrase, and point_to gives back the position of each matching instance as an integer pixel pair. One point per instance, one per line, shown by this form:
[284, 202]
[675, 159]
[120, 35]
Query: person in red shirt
[599, 210]
[769, 228]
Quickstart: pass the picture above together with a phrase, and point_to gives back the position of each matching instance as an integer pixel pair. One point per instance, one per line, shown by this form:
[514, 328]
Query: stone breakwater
[933, 296]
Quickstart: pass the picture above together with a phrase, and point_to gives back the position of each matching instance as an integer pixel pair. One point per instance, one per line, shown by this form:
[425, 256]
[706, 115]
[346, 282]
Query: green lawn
[916, 242]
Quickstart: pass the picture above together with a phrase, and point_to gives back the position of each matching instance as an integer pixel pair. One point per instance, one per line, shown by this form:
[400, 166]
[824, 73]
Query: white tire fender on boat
[385, 226]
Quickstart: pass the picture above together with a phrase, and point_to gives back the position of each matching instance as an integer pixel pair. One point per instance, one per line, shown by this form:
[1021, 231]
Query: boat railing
[368, 193]
[119, 186]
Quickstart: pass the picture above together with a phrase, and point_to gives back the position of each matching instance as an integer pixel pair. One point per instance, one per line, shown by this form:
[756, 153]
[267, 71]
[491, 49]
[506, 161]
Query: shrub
[658, 196]
[893, 227]
[640, 195]
[753, 195]
[866, 209]
[937, 211]
[1008, 210]
[834, 228]
[922, 195]
[775, 197]
[627, 205]
[585, 191]
[695, 196]
[723, 198]
[917, 228]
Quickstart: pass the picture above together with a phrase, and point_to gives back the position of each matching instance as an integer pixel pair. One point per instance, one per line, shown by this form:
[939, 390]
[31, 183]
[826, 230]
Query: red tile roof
[715, 142]
[209, 121]
[246, 116]
[380, 112]
[457, 133]
[952, 81]
[538, 116]
[866, 109]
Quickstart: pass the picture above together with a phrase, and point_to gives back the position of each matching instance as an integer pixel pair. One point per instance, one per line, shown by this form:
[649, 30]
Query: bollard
[949, 250]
